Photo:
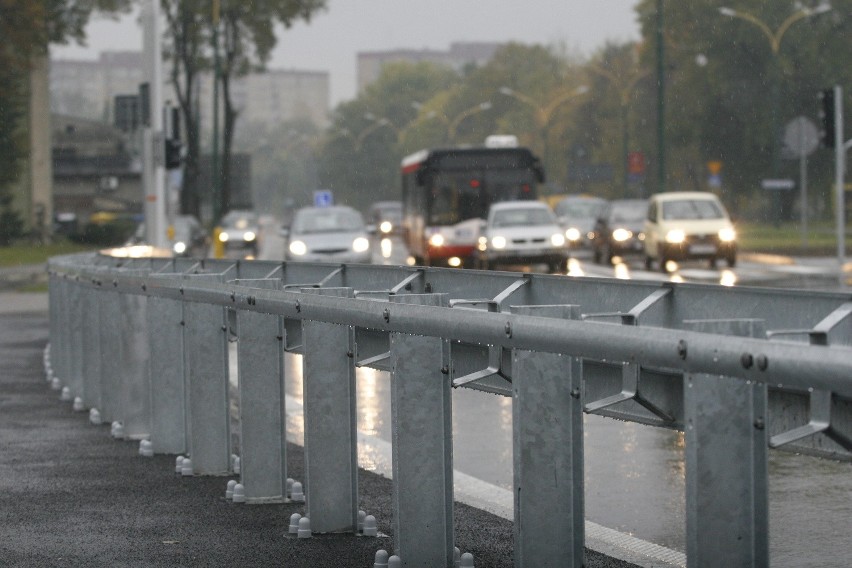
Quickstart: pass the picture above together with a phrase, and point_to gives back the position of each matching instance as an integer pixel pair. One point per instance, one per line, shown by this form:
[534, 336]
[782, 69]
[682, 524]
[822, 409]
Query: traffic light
[826, 114]
[174, 149]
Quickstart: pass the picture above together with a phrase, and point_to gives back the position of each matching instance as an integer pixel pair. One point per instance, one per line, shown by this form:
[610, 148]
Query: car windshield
[239, 220]
[691, 209]
[327, 221]
[578, 208]
[522, 217]
[628, 213]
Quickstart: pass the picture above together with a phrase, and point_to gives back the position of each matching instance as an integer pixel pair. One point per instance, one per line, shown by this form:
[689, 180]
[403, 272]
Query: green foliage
[113, 233]
[359, 156]
[721, 79]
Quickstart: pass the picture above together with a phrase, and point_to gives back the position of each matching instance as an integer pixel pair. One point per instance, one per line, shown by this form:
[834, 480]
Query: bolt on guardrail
[143, 343]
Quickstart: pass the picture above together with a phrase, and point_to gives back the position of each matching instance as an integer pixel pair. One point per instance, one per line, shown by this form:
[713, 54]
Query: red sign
[636, 162]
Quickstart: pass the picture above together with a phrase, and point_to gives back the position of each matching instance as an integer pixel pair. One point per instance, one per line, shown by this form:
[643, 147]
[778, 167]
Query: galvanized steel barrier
[739, 370]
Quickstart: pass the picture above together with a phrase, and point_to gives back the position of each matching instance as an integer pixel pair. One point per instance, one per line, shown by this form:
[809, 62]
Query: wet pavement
[70, 495]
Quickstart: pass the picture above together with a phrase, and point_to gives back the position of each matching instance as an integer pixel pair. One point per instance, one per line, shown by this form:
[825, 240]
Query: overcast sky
[334, 37]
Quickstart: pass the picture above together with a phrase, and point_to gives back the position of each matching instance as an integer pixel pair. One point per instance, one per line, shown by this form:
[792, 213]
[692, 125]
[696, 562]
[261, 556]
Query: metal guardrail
[739, 370]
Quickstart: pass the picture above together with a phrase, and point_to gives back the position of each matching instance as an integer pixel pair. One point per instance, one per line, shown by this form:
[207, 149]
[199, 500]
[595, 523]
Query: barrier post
[422, 430]
[206, 348]
[547, 417]
[263, 442]
[727, 511]
[331, 437]
[168, 390]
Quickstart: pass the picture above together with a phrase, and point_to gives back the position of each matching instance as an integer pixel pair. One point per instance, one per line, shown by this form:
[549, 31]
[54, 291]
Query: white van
[685, 225]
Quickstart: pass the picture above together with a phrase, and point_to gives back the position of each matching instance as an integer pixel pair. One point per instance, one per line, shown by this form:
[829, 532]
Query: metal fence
[739, 370]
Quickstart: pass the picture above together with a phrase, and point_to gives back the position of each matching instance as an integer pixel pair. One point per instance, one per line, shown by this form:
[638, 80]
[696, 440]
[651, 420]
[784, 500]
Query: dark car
[385, 217]
[618, 229]
[577, 214]
[240, 231]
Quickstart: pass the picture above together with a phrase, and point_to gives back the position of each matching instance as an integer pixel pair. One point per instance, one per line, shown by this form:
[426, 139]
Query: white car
[521, 232]
[686, 225]
[328, 234]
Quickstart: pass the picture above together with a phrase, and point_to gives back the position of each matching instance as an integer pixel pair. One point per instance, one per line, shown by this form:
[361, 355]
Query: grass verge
[21, 254]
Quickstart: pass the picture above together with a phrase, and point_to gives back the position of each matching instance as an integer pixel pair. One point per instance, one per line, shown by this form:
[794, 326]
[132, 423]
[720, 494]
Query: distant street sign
[323, 198]
[778, 184]
[801, 136]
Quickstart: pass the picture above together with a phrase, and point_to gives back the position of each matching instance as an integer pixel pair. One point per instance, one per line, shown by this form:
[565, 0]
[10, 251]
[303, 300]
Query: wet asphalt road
[70, 495]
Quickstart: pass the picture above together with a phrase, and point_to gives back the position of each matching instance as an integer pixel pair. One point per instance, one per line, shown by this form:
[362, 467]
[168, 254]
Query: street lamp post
[543, 113]
[774, 38]
[453, 125]
[624, 90]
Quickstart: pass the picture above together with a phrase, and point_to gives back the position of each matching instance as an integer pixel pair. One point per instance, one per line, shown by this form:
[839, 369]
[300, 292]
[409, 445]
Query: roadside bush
[113, 233]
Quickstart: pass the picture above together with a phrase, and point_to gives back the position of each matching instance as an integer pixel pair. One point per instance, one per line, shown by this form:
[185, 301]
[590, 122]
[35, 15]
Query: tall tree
[27, 28]
[249, 37]
[186, 46]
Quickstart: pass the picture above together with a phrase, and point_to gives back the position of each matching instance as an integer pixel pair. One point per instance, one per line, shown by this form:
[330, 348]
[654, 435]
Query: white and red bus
[446, 194]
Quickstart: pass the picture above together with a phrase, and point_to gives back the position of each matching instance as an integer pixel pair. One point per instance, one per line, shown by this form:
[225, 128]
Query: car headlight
[249, 236]
[498, 242]
[482, 243]
[298, 248]
[386, 227]
[572, 234]
[360, 244]
[436, 240]
[179, 247]
[675, 236]
[223, 237]
[621, 234]
[727, 235]
[557, 240]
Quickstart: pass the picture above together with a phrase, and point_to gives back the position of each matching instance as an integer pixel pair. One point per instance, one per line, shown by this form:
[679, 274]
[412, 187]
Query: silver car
[328, 234]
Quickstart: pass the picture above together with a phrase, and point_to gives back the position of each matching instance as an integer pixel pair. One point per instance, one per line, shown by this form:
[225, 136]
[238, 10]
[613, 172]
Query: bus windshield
[457, 196]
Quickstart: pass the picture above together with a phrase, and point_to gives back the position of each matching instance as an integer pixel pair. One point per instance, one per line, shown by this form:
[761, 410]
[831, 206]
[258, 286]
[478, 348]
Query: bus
[446, 194]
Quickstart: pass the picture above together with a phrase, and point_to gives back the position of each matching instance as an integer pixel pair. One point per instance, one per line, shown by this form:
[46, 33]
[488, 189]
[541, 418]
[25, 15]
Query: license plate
[702, 249]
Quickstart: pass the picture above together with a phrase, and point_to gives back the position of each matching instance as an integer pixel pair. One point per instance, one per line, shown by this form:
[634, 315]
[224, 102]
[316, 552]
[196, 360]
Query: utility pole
[661, 101]
[214, 163]
[153, 147]
[840, 170]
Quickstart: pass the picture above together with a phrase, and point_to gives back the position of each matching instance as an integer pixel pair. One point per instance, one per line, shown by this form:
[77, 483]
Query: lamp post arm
[545, 112]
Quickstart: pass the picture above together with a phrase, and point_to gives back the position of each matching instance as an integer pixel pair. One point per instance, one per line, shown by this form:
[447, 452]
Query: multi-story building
[460, 55]
[87, 89]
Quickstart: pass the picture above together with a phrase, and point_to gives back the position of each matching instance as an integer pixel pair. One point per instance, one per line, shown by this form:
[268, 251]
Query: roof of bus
[413, 161]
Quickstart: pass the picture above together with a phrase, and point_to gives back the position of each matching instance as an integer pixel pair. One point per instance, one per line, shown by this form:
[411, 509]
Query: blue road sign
[323, 198]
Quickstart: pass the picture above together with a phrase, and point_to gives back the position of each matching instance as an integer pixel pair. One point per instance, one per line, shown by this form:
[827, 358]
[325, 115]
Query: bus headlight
[572, 234]
[249, 236]
[621, 235]
[223, 237]
[675, 236]
[298, 248]
[557, 240]
[727, 235]
[436, 240]
[498, 242]
[179, 247]
[360, 244]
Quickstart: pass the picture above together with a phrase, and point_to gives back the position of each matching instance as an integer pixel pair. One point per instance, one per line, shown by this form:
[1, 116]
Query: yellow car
[686, 225]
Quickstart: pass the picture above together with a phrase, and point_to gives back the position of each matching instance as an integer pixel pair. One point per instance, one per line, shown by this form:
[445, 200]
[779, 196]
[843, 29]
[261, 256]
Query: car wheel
[597, 255]
[608, 254]
[649, 262]
[664, 265]
[731, 260]
[713, 262]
